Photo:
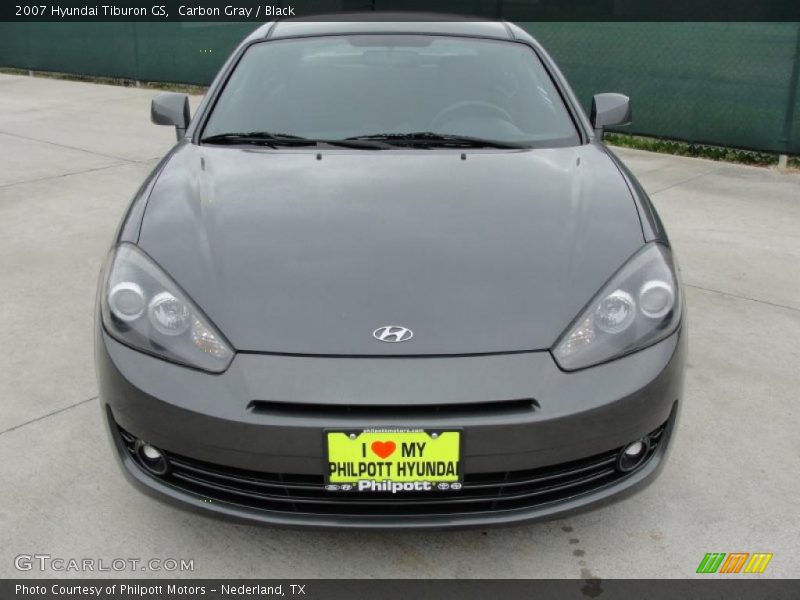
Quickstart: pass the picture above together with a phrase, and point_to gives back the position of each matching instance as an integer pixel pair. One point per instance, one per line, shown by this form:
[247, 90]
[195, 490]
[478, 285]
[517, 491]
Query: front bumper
[248, 444]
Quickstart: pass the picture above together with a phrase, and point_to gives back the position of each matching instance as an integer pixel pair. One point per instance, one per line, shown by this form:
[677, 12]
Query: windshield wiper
[274, 140]
[374, 141]
[265, 138]
[359, 144]
[431, 138]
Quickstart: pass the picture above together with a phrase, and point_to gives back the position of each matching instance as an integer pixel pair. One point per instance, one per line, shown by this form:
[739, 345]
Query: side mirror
[170, 108]
[610, 109]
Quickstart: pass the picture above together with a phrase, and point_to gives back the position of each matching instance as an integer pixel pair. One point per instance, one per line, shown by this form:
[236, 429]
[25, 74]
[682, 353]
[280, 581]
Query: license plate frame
[441, 472]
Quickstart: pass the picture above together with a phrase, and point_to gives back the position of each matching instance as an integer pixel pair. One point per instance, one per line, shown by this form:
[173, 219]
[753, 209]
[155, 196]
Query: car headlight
[639, 306]
[143, 308]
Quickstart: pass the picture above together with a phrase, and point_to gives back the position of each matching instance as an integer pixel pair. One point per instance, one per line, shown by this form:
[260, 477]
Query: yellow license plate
[393, 460]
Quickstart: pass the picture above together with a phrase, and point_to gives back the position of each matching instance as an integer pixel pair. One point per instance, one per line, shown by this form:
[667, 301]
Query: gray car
[390, 277]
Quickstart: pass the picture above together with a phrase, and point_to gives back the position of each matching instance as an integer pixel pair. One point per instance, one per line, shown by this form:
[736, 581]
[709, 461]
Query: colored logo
[734, 562]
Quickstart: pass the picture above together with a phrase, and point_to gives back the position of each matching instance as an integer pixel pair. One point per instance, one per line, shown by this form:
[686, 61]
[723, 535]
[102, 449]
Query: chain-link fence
[732, 84]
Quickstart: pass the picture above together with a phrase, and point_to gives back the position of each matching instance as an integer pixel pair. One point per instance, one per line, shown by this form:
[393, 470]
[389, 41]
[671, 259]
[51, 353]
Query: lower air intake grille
[481, 493]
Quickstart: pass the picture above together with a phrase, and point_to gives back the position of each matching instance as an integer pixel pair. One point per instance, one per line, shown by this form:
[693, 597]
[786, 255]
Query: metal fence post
[28, 49]
[791, 100]
[136, 67]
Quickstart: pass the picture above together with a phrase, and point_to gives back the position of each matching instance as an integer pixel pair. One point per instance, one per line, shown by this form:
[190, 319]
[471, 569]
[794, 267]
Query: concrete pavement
[72, 154]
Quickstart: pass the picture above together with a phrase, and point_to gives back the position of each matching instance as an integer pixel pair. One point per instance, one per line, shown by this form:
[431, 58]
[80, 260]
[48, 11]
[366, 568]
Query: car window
[337, 87]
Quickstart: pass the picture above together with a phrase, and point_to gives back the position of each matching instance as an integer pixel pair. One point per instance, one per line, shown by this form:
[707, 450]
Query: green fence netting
[730, 84]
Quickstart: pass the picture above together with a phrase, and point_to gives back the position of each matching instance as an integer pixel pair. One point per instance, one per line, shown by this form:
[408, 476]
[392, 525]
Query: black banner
[733, 588]
[515, 10]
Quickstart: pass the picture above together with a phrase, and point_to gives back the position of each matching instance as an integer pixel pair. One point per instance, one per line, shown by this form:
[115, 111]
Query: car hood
[293, 252]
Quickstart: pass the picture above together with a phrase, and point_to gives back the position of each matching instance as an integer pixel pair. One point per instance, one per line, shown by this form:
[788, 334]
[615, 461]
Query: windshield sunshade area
[388, 86]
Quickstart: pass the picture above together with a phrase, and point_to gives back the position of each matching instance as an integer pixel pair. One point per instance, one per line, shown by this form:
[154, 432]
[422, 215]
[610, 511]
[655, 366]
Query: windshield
[385, 86]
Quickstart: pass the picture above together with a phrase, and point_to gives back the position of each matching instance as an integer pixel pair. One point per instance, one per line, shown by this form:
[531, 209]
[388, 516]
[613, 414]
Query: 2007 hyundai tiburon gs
[390, 277]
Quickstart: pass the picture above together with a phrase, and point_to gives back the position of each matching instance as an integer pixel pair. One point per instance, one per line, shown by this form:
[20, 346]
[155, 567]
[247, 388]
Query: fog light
[152, 458]
[633, 450]
[151, 452]
[633, 455]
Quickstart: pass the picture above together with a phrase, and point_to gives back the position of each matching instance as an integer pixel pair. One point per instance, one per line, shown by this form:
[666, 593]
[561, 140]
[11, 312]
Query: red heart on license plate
[383, 449]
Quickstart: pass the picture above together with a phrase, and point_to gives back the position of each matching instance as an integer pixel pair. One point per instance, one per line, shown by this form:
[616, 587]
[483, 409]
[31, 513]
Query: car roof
[378, 23]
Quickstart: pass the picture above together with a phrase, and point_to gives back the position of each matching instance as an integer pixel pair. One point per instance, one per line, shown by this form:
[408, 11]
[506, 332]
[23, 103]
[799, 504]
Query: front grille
[481, 492]
[302, 409]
